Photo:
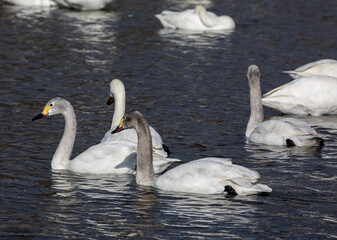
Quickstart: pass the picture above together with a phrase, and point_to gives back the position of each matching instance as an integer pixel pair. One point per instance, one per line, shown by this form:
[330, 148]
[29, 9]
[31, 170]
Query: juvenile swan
[284, 132]
[103, 158]
[195, 19]
[326, 67]
[202, 176]
[117, 95]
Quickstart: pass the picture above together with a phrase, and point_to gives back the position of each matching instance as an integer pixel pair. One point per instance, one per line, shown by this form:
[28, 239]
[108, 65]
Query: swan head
[132, 119]
[253, 73]
[116, 87]
[55, 106]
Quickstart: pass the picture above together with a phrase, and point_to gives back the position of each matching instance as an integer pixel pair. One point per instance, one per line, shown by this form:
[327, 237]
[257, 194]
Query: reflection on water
[196, 38]
[187, 4]
[29, 13]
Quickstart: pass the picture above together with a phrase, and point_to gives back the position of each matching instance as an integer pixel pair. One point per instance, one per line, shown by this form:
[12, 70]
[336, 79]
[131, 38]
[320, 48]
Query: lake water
[193, 89]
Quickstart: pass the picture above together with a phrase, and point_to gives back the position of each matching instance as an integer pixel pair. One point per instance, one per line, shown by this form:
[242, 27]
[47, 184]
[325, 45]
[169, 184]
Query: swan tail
[258, 188]
[166, 149]
[305, 141]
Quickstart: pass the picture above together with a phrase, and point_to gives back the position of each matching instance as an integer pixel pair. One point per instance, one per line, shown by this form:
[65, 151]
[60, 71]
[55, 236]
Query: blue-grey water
[192, 87]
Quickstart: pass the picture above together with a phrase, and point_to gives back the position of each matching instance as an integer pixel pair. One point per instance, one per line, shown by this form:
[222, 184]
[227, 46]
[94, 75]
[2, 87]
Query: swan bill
[40, 115]
[43, 114]
[110, 100]
[120, 126]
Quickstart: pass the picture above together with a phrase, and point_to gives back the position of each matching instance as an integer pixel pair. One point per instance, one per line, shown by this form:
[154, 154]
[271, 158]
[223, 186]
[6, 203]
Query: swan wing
[207, 176]
[105, 158]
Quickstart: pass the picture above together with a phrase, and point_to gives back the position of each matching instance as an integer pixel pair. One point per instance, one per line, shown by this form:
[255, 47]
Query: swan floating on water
[103, 158]
[314, 95]
[284, 132]
[117, 95]
[195, 19]
[326, 67]
[203, 176]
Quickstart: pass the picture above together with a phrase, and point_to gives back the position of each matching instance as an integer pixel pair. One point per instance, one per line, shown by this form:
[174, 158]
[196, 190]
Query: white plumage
[117, 94]
[315, 95]
[195, 19]
[326, 67]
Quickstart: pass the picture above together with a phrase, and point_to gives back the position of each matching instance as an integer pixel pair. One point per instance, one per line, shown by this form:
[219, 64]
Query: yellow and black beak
[110, 100]
[120, 126]
[43, 114]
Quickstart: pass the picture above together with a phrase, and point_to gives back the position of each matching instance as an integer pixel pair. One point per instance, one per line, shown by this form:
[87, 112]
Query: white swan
[117, 95]
[83, 5]
[326, 67]
[202, 176]
[32, 3]
[195, 19]
[284, 132]
[315, 95]
[103, 158]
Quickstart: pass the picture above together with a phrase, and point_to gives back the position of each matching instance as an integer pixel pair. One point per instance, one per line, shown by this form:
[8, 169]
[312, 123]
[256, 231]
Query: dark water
[193, 89]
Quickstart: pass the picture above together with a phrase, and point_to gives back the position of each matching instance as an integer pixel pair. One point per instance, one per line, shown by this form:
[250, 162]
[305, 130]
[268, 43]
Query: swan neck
[119, 110]
[62, 154]
[205, 19]
[256, 108]
[145, 173]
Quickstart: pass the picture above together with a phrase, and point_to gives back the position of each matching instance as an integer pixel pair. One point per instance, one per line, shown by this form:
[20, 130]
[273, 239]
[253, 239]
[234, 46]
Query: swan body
[83, 5]
[315, 95]
[326, 67]
[117, 95]
[282, 132]
[195, 19]
[104, 158]
[32, 3]
[202, 176]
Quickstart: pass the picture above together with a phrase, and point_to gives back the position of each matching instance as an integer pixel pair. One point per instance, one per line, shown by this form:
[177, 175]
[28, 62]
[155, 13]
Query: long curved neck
[119, 108]
[256, 108]
[62, 154]
[204, 18]
[145, 173]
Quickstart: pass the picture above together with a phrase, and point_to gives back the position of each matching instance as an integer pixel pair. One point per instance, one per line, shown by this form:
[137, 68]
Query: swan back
[326, 67]
[210, 176]
[314, 95]
[197, 19]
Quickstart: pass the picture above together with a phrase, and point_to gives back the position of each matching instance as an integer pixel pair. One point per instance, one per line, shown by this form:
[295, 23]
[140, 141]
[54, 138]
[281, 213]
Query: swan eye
[51, 104]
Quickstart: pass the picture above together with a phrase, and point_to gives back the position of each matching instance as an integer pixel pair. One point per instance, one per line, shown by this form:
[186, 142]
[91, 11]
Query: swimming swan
[195, 19]
[315, 95]
[284, 132]
[32, 3]
[117, 95]
[103, 158]
[83, 4]
[326, 67]
[203, 176]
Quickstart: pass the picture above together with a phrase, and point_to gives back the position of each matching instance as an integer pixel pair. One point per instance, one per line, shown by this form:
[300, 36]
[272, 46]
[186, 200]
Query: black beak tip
[38, 117]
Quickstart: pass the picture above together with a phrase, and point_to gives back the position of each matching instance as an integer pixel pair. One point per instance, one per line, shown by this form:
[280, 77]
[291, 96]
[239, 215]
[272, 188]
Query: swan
[117, 95]
[195, 19]
[83, 5]
[103, 158]
[326, 67]
[314, 95]
[203, 176]
[32, 3]
[284, 132]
